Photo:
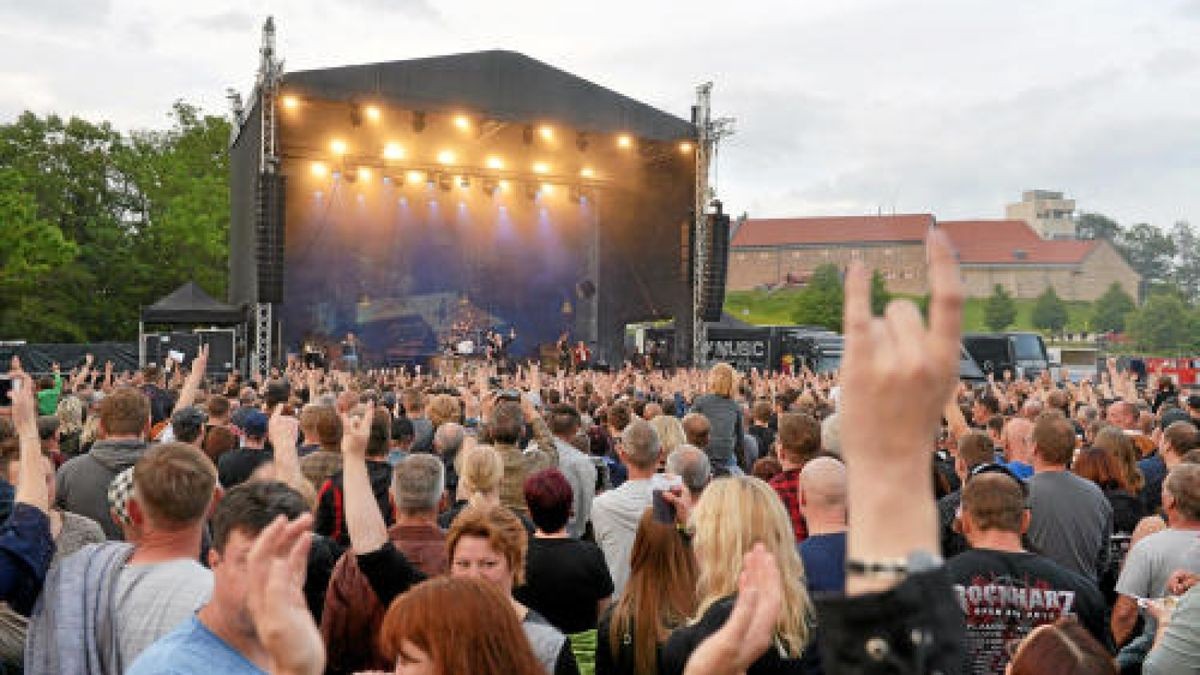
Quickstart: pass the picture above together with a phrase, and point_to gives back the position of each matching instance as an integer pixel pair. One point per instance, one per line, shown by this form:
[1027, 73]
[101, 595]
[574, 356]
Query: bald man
[1018, 447]
[823, 503]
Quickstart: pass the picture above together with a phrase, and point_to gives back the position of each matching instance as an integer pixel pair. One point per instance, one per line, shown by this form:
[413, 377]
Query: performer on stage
[350, 353]
[563, 346]
[582, 356]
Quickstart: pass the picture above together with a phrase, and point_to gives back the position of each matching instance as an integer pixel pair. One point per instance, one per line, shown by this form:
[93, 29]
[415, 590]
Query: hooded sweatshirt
[82, 483]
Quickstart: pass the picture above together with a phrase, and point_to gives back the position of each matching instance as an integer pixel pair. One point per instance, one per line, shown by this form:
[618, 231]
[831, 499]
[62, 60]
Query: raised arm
[191, 385]
[364, 522]
[32, 489]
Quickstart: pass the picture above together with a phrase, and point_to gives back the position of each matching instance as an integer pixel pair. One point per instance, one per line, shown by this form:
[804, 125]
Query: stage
[410, 201]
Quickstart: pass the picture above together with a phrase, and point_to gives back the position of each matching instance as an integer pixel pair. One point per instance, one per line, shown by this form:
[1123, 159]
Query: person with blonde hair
[480, 470]
[670, 433]
[725, 443]
[733, 515]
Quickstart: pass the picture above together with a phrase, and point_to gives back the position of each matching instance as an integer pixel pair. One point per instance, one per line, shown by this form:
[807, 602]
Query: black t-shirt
[1006, 595]
[236, 466]
[564, 581]
[684, 641]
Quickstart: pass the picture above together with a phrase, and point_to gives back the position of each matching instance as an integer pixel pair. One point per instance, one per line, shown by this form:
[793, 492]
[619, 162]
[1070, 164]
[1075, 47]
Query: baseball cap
[255, 425]
[187, 421]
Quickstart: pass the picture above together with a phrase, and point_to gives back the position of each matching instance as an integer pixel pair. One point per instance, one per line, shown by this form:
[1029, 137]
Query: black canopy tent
[190, 307]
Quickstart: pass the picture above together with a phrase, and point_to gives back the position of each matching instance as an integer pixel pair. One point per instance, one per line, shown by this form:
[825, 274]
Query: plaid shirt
[787, 486]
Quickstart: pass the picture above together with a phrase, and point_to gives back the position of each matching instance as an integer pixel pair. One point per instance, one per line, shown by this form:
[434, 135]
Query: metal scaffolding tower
[709, 133]
[266, 90]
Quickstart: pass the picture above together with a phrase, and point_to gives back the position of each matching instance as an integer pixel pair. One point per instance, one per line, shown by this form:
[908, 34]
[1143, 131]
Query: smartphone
[664, 511]
[175, 355]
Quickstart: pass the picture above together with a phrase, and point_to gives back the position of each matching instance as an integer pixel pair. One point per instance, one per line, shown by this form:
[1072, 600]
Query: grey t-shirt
[151, 600]
[1071, 521]
[1179, 649]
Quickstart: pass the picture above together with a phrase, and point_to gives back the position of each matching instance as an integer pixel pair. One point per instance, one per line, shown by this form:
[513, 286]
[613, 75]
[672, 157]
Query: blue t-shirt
[1020, 469]
[824, 557]
[192, 648]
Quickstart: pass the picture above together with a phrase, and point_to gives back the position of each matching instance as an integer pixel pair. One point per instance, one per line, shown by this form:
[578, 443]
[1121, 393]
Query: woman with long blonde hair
[733, 515]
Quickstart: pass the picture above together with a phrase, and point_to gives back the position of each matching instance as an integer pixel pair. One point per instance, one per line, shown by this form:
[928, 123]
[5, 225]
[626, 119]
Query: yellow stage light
[624, 141]
[446, 157]
[541, 167]
[503, 185]
[685, 147]
[364, 172]
[291, 102]
[587, 172]
[462, 122]
[415, 177]
[547, 132]
[393, 151]
[338, 147]
[547, 189]
[495, 163]
[373, 113]
[319, 169]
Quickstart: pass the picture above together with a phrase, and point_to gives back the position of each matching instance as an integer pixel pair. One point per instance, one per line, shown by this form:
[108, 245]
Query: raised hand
[750, 629]
[275, 568]
[356, 434]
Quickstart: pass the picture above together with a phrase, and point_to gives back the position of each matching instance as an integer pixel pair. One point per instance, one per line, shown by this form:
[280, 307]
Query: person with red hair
[456, 625]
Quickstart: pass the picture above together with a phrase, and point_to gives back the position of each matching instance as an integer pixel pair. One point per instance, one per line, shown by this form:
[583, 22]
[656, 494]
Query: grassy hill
[775, 308]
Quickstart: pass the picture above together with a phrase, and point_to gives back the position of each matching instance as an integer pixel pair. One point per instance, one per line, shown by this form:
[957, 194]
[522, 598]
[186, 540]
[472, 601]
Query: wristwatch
[917, 561]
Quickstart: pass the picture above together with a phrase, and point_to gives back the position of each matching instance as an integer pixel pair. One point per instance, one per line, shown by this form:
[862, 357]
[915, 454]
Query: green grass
[775, 308]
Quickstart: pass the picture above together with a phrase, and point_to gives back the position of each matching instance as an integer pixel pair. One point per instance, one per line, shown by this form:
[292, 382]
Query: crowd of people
[886, 518]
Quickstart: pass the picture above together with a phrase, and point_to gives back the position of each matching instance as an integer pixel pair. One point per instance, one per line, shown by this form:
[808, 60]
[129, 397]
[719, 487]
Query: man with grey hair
[831, 435]
[447, 441]
[352, 609]
[616, 513]
[578, 469]
[693, 467]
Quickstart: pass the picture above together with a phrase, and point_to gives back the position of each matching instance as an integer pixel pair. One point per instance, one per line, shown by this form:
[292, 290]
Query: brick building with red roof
[769, 252]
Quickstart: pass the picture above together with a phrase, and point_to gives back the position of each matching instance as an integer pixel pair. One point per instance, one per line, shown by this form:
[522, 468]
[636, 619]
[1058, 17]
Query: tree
[1187, 263]
[999, 311]
[1049, 311]
[1163, 323]
[819, 303]
[879, 293]
[1096, 226]
[1110, 310]
[1150, 251]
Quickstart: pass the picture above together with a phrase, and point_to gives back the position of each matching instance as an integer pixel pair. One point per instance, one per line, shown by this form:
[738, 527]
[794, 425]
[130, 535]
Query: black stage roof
[189, 304]
[507, 86]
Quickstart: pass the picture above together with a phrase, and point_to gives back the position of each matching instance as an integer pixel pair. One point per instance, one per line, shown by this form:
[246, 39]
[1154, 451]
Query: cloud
[1172, 62]
[232, 21]
[416, 9]
[52, 13]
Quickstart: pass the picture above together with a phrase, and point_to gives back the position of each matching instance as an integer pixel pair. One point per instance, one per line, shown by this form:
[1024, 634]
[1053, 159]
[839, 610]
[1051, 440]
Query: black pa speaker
[716, 267]
[269, 228]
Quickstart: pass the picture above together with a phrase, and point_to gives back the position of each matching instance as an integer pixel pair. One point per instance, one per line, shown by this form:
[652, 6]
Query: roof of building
[504, 85]
[979, 242]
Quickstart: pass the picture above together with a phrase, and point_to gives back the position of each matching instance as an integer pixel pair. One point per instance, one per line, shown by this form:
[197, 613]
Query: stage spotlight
[527, 134]
[462, 122]
[541, 168]
[685, 147]
[373, 113]
[587, 172]
[364, 172]
[502, 185]
[495, 163]
[338, 147]
[418, 121]
[319, 169]
[445, 182]
[445, 157]
[464, 181]
[624, 141]
[547, 189]
[581, 141]
[393, 151]
[546, 132]
[291, 102]
[415, 177]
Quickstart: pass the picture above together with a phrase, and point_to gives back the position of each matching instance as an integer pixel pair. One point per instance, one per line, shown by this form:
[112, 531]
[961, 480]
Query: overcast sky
[843, 106]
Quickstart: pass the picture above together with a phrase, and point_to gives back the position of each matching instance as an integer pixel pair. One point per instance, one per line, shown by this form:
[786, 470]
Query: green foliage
[1186, 274]
[879, 293]
[820, 302]
[1163, 323]
[1110, 310]
[1097, 226]
[1000, 311]
[1050, 312]
[1149, 250]
[106, 222]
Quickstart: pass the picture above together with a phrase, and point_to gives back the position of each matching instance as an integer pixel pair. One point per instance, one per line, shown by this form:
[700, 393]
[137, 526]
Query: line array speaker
[269, 229]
